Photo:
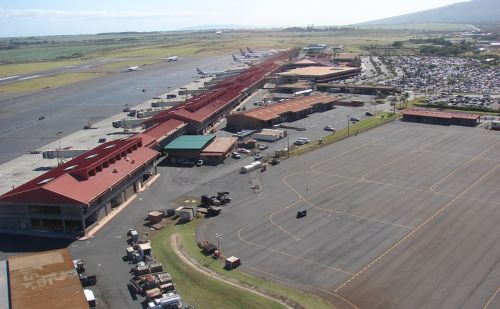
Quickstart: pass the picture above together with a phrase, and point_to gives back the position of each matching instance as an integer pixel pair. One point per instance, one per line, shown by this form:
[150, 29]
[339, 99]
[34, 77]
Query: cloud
[99, 14]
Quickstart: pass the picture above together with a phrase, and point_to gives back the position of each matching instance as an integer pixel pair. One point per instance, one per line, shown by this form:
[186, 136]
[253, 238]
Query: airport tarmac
[67, 109]
[402, 216]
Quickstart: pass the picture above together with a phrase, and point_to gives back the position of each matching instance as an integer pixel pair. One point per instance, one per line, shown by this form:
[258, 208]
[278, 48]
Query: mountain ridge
[470, 12]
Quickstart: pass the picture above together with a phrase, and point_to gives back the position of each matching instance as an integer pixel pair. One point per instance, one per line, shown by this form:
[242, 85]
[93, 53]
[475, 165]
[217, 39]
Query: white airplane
[244, 60]
[207, 73]
[257, 54]
[172, 58]
[134, 68]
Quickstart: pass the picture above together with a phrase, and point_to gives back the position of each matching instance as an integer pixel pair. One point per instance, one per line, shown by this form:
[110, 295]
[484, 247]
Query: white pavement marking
[31, 77]
[9, 77]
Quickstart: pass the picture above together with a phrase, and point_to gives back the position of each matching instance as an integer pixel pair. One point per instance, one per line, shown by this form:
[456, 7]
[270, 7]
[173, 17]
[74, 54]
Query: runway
[67, 109]
[403, 216]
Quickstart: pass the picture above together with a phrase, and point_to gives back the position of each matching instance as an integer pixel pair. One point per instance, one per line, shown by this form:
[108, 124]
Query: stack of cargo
[270, 135]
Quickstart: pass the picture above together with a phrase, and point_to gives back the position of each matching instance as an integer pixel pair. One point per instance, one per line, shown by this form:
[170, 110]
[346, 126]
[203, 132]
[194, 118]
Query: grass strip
[188, 232]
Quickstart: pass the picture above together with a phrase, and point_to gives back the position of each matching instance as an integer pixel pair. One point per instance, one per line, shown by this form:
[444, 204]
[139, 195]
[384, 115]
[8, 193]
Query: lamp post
[348, 118]
[59, 148]
[218, 236]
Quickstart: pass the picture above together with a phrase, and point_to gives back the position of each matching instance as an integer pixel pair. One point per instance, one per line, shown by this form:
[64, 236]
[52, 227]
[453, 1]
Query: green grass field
[189, 243]
[48, 82]
[25, 68]
[198, 289]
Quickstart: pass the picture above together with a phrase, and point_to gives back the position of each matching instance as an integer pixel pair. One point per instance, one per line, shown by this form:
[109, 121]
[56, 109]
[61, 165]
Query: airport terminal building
[75, 196]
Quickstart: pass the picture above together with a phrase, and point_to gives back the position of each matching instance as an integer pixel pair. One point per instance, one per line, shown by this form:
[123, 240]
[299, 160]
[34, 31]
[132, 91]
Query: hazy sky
[30, 17]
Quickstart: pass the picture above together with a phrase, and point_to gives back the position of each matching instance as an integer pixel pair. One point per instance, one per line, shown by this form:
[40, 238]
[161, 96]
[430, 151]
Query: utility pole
[288, 148]
[218, 236]
[348, 118]
[59, 149]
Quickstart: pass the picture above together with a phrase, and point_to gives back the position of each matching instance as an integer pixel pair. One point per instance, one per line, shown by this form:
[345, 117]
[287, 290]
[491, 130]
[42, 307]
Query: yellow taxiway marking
[478, 156]
[291, 255]
[491, 298]
[304, 284]
[411, 233]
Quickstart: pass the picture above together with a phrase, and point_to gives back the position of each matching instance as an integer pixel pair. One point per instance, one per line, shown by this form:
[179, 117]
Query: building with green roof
[187, 147]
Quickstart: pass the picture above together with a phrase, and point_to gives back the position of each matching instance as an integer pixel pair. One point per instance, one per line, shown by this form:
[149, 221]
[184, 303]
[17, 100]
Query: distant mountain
[472, 12]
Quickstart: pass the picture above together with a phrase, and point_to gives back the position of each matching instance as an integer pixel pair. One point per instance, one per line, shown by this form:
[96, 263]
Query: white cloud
[99, 14]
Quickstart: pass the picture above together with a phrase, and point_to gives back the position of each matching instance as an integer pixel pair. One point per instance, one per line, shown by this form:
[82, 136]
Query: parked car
[329, 128]
[199, 163]
[236, 155]
[355, 119]
[258, 156]
[304, 139]
[263, 146]
[299, 142]
[243, 150]
[301, 213]
[369, 114]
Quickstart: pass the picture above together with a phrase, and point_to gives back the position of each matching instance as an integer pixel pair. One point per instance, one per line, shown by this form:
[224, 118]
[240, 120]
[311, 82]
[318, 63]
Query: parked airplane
[207, 73]
[244, 60]
[263, 53]
[134, 68]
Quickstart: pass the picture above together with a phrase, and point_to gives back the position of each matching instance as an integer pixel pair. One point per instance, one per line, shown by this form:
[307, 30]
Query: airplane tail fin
[249, 50]
[199, 71]
[234, 58]
[242, 52]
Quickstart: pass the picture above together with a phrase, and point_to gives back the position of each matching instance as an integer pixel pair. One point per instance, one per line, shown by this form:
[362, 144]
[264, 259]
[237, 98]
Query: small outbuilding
[218, 150]
[232, 262]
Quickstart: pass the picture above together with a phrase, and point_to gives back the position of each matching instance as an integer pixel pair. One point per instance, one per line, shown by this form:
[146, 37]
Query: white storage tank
[251, 167]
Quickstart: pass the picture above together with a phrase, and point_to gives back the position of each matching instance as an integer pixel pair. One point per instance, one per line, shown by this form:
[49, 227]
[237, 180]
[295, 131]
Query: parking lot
[402, 216]
[460, 75]
[313, 125]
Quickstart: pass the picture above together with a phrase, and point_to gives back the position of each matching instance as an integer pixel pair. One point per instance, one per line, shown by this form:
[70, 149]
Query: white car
[329, 128]
[243, 150]
[258, 157]
[263, 146]
[304, 139]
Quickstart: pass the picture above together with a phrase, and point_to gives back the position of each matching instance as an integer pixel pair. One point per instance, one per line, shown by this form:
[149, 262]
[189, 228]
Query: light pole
[348, 118]
[59, 149]
[288, 147]
[218, 236]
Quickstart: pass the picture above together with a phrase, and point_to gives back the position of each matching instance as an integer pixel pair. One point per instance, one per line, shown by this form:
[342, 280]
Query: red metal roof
[438, 114]
[202, 107]
[266, 113]
[159, 131]
[84, 178]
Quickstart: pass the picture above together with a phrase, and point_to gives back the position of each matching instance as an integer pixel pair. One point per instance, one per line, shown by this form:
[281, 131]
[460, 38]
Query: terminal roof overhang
[86, 177]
